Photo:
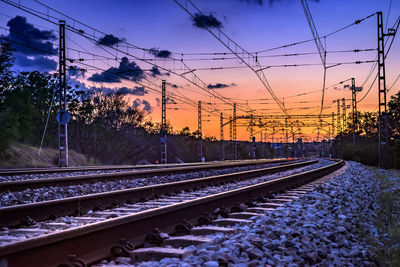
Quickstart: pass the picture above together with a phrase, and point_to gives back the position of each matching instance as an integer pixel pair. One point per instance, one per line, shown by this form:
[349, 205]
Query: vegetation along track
[20, 185]
[93, 242]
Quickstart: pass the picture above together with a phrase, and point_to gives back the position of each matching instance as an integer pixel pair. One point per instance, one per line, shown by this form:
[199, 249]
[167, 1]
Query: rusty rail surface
[94, 242]
[94, 178]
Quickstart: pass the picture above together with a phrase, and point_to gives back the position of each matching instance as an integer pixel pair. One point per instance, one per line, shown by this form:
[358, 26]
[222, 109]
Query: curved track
[94, 241]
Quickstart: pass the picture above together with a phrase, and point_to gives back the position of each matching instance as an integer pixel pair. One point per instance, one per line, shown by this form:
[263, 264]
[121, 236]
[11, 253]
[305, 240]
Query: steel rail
[38, 211]
[42, 170]
[94, 242]
[20, 185]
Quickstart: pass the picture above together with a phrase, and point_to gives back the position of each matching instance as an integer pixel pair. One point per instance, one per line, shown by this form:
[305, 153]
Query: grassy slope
[21, 155]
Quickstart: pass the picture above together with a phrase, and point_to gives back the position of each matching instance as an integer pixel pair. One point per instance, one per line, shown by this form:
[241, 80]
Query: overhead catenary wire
[55, 20]
[387, 52]
[111, 58]
[261, 76]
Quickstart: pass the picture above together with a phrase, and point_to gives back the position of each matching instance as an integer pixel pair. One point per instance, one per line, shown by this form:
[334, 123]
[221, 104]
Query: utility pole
[382, 121]
[344, 114]
[63, 116]
[234, 132]
[354, 106]
[333, 125]
[339, 124]
[200, 144]
[222, 136]
[231, 136]
[163, 138]
[339, 128]
[251, 127]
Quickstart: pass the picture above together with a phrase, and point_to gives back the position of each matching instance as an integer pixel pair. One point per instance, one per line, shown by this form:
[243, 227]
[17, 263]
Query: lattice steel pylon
[333, 125]
[222, 136]
[163, 138]
[200, 144]
[63, 123]
[382, 121]
[354, 107]
[235, 152]
[344, 118]
[251, 127]
[338, 124]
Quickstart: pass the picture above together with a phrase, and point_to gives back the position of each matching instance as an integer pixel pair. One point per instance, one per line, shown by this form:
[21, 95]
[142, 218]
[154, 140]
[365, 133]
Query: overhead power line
[251, 61]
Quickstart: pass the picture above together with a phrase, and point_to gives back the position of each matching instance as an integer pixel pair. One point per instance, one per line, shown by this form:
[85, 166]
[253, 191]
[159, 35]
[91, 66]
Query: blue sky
[162, 24]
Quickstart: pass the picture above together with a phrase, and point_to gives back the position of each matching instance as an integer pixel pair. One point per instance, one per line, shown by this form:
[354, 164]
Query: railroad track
[95, 240]
[48, 170]
[20, 185]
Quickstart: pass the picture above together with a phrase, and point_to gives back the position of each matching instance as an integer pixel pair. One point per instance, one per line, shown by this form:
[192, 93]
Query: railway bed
[38, 211]
[94, 240]
[20, 185]
[49, 172]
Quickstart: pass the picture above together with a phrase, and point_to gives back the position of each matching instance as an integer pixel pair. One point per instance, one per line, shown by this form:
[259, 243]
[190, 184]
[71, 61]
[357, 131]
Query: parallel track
[93, 242]
[43, 170]
[46, 170]
[94, 178]
[14, 215]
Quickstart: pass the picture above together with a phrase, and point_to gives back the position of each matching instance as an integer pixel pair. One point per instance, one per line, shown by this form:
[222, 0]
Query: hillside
[21, 155]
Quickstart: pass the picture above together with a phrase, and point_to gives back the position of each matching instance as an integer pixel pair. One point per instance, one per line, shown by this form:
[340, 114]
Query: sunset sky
[163, 25]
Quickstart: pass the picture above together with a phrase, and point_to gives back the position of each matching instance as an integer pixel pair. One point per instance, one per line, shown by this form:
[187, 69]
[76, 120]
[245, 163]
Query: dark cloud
[80, 86]
[138, 90]
[220, 85]
[109, 40]
[29, 40]
[172, 85]
[147, 107]
[33, 47]
[155, 71]
[204, 21]
[25, 63]
[75, 71]
[144, 104]
[126, 70]
[170, 100]
[160, 53]
[136, 103]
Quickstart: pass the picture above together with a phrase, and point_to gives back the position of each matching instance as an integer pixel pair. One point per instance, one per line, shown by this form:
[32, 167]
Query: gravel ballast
[329, 226]
[58, 192]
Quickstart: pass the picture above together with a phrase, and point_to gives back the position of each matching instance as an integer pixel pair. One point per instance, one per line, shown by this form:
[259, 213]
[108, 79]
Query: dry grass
[387, 251]
[21, 155]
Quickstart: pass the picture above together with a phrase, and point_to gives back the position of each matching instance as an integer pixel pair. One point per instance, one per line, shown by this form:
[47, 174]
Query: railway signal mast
[63, 116]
